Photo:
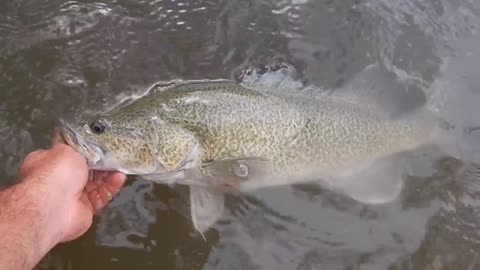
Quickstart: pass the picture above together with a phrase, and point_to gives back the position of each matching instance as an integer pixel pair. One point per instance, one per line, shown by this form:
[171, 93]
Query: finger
[101, 176]
[97, 178]
[100, 197]
[105, 186]
[95, 200]
[115, 182]
[105, 197]
[86, 201]
[108, 189]
[91, 175]
[90, 186]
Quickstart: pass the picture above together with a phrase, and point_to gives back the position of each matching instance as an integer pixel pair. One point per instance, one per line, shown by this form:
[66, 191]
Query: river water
[61, 57]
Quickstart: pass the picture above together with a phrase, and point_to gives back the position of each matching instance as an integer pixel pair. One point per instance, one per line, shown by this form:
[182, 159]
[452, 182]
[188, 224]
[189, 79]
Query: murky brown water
[60, 57]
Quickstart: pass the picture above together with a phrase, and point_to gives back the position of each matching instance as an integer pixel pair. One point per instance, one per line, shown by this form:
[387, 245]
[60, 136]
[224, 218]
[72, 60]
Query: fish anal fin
[375, 182]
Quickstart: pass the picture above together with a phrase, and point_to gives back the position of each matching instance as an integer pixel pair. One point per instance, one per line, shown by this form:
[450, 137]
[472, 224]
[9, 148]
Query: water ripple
[62, 57]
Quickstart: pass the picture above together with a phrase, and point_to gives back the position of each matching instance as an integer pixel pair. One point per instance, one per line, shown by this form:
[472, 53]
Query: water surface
[62, 57]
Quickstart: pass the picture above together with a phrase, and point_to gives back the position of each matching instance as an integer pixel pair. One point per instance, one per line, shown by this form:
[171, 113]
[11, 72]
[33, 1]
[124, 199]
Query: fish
[221, 136]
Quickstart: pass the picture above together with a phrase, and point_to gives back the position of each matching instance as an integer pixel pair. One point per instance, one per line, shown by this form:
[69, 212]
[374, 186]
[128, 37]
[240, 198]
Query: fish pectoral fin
[206, 207]
[374, 182]
[232, 172]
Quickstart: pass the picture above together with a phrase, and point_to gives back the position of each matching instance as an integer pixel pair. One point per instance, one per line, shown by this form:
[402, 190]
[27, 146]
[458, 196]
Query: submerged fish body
[295, 135]
[214, 135]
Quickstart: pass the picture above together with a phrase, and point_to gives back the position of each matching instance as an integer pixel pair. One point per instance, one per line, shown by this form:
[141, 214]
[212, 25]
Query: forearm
[23, 226]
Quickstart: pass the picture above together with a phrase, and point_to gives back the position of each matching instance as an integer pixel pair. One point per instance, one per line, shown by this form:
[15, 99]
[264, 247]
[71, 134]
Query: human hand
[70, 194]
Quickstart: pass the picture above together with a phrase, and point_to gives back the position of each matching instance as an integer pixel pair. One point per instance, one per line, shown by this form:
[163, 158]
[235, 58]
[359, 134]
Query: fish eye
[97, 127]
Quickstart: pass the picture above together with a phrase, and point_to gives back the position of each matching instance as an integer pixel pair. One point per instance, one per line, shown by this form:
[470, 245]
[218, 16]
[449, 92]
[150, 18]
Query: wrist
[26, 218]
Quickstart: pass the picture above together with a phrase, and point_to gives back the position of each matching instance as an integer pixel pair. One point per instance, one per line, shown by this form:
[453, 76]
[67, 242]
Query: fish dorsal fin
[382, 91]
[189, 85]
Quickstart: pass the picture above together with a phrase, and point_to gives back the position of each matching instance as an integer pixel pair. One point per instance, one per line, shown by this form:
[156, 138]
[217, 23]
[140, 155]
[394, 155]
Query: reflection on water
[62, 57]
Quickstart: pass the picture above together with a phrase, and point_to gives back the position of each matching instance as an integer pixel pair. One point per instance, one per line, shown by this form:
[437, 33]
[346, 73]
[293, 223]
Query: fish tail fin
[457, 109]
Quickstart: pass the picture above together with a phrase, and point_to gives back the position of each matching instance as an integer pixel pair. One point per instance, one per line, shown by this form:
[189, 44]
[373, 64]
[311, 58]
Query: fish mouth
[92, 152]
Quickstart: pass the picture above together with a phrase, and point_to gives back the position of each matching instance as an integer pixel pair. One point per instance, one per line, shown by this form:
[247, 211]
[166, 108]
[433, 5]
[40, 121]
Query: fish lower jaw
[135, 171]
[112, 165]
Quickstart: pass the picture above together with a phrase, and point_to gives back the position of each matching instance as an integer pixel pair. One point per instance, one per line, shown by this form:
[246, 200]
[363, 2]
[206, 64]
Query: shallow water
[63, 57]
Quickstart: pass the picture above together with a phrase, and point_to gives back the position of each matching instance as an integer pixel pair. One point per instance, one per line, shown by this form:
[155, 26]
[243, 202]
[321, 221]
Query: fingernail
[109, 196]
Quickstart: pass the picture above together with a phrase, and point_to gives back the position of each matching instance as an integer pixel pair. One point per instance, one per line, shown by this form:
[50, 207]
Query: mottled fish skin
[231, 121]
[220, 136]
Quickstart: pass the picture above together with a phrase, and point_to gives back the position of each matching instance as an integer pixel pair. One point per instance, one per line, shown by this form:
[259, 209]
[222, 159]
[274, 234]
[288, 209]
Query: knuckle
[32, 157]
[29, 162]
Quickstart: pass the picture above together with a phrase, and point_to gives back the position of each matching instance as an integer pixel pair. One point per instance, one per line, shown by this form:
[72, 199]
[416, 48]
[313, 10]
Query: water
[60, 57]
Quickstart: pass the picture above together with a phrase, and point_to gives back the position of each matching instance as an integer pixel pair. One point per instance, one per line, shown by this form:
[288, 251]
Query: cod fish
[219, 136]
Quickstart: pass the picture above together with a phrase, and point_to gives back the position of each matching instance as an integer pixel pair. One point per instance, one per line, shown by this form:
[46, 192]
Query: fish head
[109, 143]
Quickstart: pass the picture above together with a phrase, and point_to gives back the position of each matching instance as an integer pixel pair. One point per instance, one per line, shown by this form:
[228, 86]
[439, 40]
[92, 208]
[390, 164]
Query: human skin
[54, 201]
